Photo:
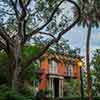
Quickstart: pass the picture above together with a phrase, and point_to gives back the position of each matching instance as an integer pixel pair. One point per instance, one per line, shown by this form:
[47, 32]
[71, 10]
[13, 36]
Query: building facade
[54, 69]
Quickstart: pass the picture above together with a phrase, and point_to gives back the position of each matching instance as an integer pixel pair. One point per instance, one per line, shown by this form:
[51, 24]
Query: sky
[77, 39]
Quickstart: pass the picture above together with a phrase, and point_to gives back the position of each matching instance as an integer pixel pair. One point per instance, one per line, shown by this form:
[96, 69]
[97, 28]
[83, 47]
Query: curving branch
[51, 35]
[48, 34]
[40, 54]
[28, 2]
[3, 46]
[14, 5]
[48, 21]
[59, 35]
[73, 24]
[34, 58]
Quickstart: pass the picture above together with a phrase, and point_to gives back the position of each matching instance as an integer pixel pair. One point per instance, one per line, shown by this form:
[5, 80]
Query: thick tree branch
[48, 34]
[73, 24]
[48, 21]
[28, 2]
[59, 36]
[22, 22]
[5, 36]
[47, 46]
[14, 7]
[23, 10]
[24, 29]
[23, 34]
[3, 46]
[40, 54]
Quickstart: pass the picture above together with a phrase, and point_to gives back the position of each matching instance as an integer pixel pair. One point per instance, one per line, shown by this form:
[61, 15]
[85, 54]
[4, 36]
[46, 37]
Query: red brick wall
[61, 68]
[44, 66]
[76, 71]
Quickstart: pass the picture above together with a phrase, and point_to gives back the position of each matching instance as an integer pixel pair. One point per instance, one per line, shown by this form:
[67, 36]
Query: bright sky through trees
[77, 37]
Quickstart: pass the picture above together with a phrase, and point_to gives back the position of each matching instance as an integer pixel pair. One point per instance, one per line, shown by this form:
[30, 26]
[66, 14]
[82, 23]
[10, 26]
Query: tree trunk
[89, 79]
[15, 65]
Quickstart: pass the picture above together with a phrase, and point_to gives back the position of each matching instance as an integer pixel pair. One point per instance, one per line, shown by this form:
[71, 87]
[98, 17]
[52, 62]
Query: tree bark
[89, 79]
[15, 66]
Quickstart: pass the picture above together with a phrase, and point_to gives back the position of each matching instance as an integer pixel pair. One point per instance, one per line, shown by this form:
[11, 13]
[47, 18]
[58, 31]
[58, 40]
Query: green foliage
[9, 94]
[3, 67]
[29, 72]
[96, 72]
[39, 11]
[28, 52]
[72, 88]
[75, 98]
[89, 12]
[42, 94]
[63, 47]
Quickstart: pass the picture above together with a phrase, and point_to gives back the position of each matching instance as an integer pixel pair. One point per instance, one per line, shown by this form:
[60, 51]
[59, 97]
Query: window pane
[53, 67]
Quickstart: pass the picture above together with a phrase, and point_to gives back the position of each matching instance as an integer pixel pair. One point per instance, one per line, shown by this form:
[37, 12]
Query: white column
[49, 85]
[53, 87]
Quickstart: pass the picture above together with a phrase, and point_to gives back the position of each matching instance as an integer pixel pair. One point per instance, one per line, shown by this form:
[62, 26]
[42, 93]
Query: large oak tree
[22, 19]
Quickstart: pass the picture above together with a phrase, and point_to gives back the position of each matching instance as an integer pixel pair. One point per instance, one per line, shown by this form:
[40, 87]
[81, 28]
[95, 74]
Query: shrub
[9, 94]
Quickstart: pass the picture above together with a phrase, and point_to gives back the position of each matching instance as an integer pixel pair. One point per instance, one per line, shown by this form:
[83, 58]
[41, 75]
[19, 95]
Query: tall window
[53, 67]
[70, 70]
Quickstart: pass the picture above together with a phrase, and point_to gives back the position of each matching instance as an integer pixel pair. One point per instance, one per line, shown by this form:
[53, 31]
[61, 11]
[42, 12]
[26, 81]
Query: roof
[66, 58]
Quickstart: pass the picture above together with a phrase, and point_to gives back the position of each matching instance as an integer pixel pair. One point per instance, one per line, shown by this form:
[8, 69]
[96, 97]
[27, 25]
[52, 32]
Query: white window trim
[70, 70]
[53, 67]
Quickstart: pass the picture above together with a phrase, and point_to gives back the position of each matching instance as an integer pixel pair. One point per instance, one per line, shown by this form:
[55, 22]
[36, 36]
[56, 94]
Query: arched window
[70, 70]
[52, 67]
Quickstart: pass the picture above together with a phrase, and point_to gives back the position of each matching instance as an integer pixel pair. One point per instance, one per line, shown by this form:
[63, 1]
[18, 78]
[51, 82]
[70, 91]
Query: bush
[9, 94]
[96, 98]
[73, 98]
